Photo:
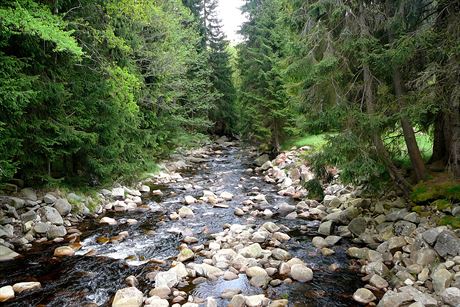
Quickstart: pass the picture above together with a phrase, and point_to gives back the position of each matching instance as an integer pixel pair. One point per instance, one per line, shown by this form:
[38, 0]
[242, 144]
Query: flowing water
[93, 280]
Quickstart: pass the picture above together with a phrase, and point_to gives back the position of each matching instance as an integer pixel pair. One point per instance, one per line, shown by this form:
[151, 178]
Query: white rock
[189, 200]
[185, 212]
[364, 296]
[108, 220]
[26, 286]
[6, 293]
[301, 273]
[226, 196]
[128, 297]
[118, 193]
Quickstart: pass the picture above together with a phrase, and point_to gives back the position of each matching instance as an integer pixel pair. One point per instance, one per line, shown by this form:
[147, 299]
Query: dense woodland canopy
[94, 90]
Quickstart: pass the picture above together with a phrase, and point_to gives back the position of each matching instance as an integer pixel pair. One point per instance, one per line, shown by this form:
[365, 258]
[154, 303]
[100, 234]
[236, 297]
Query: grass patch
[425, 144]
[448, 220]
[436, 189]
[313, 140]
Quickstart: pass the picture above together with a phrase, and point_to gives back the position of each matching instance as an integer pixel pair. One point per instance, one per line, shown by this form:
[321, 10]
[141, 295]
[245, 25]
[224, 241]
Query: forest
[92, 91]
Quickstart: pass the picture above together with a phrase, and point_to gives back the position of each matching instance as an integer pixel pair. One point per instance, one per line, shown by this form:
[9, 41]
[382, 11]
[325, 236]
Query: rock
[255, 300]
[185, 212]
[118, 193]
[252, 251]
[131, 281]
[280, 254]
[357, 226]
[325, 228]
[364, 296]
[418, 296]
[394, 299]
[360, 253]
[412, 217]
[64, 251]
[281, 236]
[229, 293]
[226, 196]
[332, 240]
[424, 256]
[404, 228]
[447, 243]
[319, 242]
[256, 271]
[144, 189]
[28, 216]
[7, 231]
[41, 227]
[63, 206]
[238, 212]
[284, 209]
[108, 220]
[261, 160]
[128, 297]
[301, 273]
[49, 198]
[29, 194]
[228, 275]
[327, 251]
[18, 203]
[431, 235]
[211, 302]
[166, 279]
[26, 286]
[451, 296]
[7, 254]
[279, 303]
[6, 293]
[378, 282]
[56, 232]
[162, 292]
[441, 280]
[271, 227]
[189, 200]
[237, 301]
[185, 254]
[155, 301]
[50, 214]
[396, 243]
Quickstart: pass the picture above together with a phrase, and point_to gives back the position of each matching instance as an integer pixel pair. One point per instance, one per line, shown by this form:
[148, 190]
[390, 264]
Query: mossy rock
[441, 204]
[418, 209]
[425, 192]
[453, 221]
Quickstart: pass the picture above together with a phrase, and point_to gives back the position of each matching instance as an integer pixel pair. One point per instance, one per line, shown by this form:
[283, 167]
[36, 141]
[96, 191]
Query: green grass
[453, 221]
[425, 144]
[315, 141]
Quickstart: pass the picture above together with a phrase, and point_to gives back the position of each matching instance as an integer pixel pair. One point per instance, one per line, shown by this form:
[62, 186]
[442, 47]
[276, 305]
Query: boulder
[185, 254]
[394, 299]
[357, 226]
[6, 293]
[301, 273]
[252, 251]
[28, 216]
[156, 301]
[226, 196]
[7, 254]
[255, 300]
[128, 297]
[29, 194]
[63, 206]
[166, 279]
[50, 214]
[118, 193]
[49, 198]
[364, 296]
[441, 280]
[451, 296]
[404, 228]
[162, 292]
[284, 209]
[56, 232]
[447, 243]
[26, 286]
[325, 228]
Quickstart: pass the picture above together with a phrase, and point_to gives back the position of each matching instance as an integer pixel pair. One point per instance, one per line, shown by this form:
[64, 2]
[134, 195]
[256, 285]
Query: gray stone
[28, 216]
[26, 286]
[63, 206]
[364, 296]
[284, 209]
[451, 296]
[396, 243]
[441, 280]
[332, 240]
[348, 215]
[271, 227]
[325, 228]
[166, 279]
[280, 254]
[162, 292]
[378, 282]
[319, 242]
[237, 301]
[252, 251]
[301, 273]
[423, 298]
[29, 194]
[431, 235]
[404, 228]
[41, 227]
[49, 199]
[18, 203]
[56, 232]
[7, 254]
[7, 231]
[51, 215]
[447, 243]
[412, 217]
[185, 212]
[394, 299]
[424, 256]
[357, 226]
[396, 215]
[118, 193]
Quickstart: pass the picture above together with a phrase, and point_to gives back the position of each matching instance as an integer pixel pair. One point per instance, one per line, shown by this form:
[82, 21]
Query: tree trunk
[440, 149]
[380, 148]
[454, 153]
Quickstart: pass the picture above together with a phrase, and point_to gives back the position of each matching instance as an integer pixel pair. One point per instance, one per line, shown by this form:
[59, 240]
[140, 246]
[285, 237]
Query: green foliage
[448, 220]
[315, 189]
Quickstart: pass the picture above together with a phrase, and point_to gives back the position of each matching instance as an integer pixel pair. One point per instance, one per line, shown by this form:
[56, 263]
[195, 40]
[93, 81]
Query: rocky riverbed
[212, 229]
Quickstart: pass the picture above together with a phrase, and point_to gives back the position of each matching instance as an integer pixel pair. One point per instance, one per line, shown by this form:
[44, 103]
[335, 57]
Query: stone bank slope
[407, 260]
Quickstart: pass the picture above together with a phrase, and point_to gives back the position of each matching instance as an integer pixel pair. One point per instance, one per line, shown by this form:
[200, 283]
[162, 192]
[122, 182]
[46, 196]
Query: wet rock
[7, 254]
[6, 293]
[108, 220]
[281, 236]
[325, 228]
[185, 212]
[252, 251]
[327, 251]
[211, 302]
[63, 206]
[185, 254]
[56, 232]
[228, 275]
[261, 160]
[64, 251]
[166, 279]
[128, 297]
[332, 240]
[26, 286]
[229, 293]
[51, 215]
[208, 270]
[301, 273]
[441, 280]
[162, 292]
[394, 299]
[239, 212]
[447, 243]
[364, 296]
[156, 301]
[451, 296]
[357, 226]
